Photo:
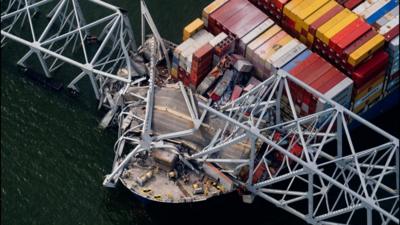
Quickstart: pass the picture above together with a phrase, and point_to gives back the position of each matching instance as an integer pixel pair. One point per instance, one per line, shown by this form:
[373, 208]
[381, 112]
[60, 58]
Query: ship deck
[162, 189]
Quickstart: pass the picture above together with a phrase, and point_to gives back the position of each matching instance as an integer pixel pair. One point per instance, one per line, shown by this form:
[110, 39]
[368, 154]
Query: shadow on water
[226, 209]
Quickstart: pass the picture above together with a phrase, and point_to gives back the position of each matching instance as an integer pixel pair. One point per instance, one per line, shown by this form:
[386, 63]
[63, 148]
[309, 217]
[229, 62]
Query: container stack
[371, 11]
[322, 76]
[256, 36]
[354, 38]
[271, 50]
[350, 4]
[225, 44]
[345, 38]
[384, 17]
[183, 57]
[210, 9]
[274, 8]
[237, 18]
[369, 81]
[201, 64]
[320, 24]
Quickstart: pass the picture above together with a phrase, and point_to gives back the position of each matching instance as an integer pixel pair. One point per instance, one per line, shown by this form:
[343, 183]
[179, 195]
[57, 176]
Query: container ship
[346, 50]
[259, 98]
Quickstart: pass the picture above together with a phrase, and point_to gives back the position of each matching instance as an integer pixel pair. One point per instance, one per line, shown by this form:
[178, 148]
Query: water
[54, 157]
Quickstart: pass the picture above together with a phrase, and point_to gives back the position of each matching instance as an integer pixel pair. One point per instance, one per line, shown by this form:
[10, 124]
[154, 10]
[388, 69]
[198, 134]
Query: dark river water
[53, 157]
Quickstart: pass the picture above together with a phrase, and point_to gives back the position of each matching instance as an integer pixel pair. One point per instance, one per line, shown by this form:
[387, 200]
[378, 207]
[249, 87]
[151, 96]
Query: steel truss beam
[66, 39]
[329, 183]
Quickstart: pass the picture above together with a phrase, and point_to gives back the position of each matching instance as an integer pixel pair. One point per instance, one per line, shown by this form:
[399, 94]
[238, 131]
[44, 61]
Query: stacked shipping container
[183, 57]
[340, 35]
[344, 38]
[270, 48]
[384, 17]
[323, 77]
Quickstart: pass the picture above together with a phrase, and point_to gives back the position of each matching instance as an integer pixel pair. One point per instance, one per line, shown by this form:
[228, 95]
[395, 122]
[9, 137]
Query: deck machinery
[176, 146]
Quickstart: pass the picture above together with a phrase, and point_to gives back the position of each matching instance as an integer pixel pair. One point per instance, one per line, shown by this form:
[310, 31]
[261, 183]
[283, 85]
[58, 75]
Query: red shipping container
[351, 37]
[347, 31]
[368, 69]
[201, 64]
[316, 70]
[358, 43]
[199, 68]
[323, 19]
[219, 16]
[226, 11]
[323, 85]
[241, 29]
[297, 71]
[335, 76]
[183, 76]
[305, 64]
[310, 74]
[351, 4]
[392, 33]
[369, 83]
[309, 101]
[240, 15]
[279, 4]
[203, 52]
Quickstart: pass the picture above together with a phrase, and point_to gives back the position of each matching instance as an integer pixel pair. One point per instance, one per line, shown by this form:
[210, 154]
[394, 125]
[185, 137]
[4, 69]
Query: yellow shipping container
[331, 23]
[366, 50]
[368, 95]
[288, 8]
[309, 10]
[212, 7]
[279, 44]
[263, 38]
[338, 27]
[192, 28]
[317, 14]
[300, 7]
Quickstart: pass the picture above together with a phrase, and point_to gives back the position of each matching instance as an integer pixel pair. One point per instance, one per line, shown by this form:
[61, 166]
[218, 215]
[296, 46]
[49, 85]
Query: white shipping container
[389, 25]
[282, 61]
[375, 7]
[218, 39]
[282, 51]
[181, 48]
[184, 56]
[388, 16]
[202, 37]
[188, 47]
[245, 40]
[184, 45]
[363, 6]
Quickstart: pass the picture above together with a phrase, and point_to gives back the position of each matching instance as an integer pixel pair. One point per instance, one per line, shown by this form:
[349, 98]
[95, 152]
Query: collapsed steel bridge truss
[98, 46]
[337, 179]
